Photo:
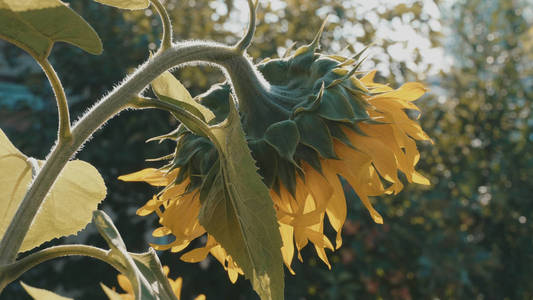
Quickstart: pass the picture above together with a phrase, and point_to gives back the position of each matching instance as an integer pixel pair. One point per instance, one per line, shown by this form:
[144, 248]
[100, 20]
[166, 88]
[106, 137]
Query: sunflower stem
[94, 119]
[64, 133]
[166, 39]
[10, 272]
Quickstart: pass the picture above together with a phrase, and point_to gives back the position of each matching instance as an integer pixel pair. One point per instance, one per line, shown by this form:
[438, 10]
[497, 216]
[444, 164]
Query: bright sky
[403, 31]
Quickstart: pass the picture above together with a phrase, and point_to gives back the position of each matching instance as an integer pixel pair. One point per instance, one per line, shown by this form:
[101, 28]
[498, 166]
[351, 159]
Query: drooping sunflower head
[312, 119]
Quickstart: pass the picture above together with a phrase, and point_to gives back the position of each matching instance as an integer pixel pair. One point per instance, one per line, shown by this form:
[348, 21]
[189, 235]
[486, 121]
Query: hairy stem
[166, 40]
[104, 110]
[11, 272]
[246, 80]
[62, 105]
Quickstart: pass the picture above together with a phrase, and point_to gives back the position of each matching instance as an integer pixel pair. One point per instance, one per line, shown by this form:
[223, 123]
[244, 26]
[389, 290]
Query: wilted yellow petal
[368, 81]
[409, 91]
[336, 209]
[287, 250]
[124, 283]
[42, 294]
[151, 176]
[111, 294]
[176, 285]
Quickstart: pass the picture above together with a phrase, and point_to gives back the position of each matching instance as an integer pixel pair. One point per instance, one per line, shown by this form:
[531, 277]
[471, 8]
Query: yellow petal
[176, 286]
[409, 91]
[287, 250]
[373, 213]
[111, 294]
[199, 254]
[124, 283]
[336, 209]
[151, 176]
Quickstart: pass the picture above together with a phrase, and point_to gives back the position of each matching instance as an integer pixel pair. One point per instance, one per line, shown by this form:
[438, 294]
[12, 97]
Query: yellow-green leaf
[143, 270]
[126, 4]
[239, 212]
[167, 85]
[66, 210]
[34, 25]
[42, 294]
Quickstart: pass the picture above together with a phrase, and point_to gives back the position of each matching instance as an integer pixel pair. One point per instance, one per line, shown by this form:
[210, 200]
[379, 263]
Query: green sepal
[310, 156]
[322, 66]
[276, 186]
[311, 105]
[315, 134]
[217, 100]
[275, 71]
[173, 135]
[358, 105]
[287, 175]
[337, 133]
[190, 147]
[355, 128]
[284, 137]
[183, 173]
[335, 108]
[267, 160]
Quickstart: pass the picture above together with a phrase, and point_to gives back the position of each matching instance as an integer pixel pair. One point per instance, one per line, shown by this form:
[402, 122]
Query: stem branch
[11, 272]
[61, 98]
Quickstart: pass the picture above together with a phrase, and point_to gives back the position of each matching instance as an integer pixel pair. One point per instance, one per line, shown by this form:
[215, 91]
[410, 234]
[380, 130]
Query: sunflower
[125, 285]
[316, 119]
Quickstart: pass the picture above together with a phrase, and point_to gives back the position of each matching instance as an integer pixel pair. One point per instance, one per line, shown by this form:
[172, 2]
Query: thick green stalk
[105, 109]
[11, 272]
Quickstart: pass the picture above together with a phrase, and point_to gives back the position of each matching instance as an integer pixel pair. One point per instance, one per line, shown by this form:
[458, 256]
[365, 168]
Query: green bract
[294, 115]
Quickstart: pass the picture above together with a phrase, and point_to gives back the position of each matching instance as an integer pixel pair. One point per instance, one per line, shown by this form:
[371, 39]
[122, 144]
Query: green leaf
[168, 86]
[143, 270]
[239, 212]
[34, 25]
[126, 4]
[284, 137]
[315, 134]
[42, 294]
[66, 209]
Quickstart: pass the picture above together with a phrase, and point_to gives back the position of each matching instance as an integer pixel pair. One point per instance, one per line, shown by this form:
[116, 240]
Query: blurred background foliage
[467, 236]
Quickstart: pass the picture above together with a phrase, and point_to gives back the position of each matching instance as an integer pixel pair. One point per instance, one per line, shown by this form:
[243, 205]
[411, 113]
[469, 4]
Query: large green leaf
[239, 212]
[143, 270]
[166, 85]
[34, 25]
[66, 209]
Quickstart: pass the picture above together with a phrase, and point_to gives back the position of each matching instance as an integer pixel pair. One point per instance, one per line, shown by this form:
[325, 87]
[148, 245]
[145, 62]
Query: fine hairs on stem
[176, 55]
